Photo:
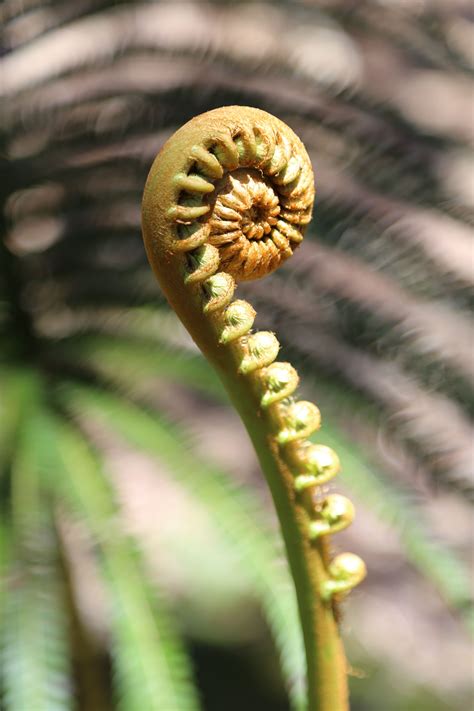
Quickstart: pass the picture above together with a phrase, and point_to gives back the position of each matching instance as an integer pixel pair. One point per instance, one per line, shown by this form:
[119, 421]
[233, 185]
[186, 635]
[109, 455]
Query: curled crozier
[227, 200]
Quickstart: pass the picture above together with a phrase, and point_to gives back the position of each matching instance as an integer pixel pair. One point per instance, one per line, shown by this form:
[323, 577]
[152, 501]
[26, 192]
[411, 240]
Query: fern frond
[17, 387]
[35, 667]
[33, 655]
[234, 511]
[150, 664]
[122, 361]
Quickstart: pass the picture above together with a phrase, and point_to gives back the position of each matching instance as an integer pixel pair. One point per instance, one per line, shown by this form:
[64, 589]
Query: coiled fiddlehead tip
[280, 380]
[227, 200]
[237, 179]
[262, 349]
[318, 465]
[345, 572]
[237, 320]
[336, 513]
[301, 420]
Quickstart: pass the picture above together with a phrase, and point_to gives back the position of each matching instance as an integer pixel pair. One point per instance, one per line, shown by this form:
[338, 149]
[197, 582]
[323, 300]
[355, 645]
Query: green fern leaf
[17, 388]
[124, 361]
[151, 669]
[35, 666]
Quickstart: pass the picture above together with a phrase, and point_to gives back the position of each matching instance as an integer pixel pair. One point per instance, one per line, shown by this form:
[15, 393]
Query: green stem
[326, 664]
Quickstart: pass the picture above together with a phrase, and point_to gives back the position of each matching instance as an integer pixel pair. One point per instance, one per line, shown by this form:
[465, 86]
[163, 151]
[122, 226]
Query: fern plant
[373, 309]
[259, 186]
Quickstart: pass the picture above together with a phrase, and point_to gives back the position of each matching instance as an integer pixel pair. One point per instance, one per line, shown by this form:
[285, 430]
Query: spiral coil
[248, 192]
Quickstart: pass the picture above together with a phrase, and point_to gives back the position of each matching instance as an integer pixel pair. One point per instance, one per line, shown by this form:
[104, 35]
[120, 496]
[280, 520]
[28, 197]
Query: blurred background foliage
[141, 563]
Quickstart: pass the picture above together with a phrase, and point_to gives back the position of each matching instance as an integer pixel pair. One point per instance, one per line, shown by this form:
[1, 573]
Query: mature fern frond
[35, 669]
[34, 657]
[151, 667]
[17, 386]
[123, 361]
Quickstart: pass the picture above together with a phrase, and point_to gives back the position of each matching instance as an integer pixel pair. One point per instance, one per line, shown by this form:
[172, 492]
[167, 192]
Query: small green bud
[204, 261]
[302, 419]
[337, 512]
[281, 380]
[263, 348]
[345, 572]
[220, 289]
[238, 320]
[321, 461]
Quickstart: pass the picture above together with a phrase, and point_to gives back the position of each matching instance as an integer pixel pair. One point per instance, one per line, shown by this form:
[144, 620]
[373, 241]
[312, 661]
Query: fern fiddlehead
[227, 200]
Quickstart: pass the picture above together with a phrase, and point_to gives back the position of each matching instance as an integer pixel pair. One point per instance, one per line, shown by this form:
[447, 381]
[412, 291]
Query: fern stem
[326, 664]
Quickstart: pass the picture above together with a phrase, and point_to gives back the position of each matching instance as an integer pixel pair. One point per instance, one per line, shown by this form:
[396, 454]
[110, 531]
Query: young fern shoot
[227, 200]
